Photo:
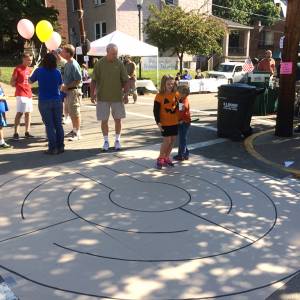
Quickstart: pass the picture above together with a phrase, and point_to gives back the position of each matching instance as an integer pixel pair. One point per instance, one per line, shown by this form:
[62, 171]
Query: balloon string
[39, 57]
[31, 46]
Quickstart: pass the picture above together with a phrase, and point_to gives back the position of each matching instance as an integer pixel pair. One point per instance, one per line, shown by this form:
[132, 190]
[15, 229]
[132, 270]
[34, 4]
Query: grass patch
[152, 74]
[6, 73]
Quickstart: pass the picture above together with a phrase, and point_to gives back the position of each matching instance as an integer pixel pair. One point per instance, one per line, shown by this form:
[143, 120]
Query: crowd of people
[59, 78]
[112, 80]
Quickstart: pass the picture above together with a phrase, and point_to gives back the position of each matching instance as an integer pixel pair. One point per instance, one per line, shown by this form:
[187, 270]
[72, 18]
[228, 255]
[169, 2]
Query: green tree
[12, 11]
[171, 28]
[247, 11]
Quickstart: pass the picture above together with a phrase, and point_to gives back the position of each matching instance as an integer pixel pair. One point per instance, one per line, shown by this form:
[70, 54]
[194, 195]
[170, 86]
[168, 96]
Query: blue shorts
[3, 109]
[2, 121]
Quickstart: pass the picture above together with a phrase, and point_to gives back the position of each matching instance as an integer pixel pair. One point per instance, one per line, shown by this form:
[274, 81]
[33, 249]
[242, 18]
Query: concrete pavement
[86, 225]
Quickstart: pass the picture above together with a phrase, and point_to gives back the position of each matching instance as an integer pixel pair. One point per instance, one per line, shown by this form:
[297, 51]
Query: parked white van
[232, 71]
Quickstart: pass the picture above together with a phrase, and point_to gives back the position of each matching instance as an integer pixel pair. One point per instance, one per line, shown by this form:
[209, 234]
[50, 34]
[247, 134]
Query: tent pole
[157, 72]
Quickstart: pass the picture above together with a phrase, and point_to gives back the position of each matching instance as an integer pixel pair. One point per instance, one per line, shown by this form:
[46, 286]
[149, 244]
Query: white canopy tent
[127, 45]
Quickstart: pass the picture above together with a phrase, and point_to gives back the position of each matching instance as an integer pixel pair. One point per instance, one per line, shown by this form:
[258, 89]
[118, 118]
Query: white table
[203, 85]
[147, 84]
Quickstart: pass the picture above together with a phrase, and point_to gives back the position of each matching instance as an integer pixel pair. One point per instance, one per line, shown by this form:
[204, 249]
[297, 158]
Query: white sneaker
[105, 146]
[66, 120]
[75, 137]
[117, 145]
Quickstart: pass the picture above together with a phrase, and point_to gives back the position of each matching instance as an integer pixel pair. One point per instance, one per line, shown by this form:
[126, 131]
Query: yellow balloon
[44, 30]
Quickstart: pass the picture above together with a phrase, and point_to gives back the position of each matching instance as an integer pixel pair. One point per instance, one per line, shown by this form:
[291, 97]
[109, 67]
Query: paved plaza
[114, 227]
[90, 225]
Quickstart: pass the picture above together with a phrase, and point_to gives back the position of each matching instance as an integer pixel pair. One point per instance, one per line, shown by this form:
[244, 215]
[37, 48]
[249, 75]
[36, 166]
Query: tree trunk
[180, 56]
[285, 113]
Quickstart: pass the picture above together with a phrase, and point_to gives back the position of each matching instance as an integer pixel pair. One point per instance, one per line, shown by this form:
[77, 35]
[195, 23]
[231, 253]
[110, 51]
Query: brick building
[264, 38]
[61, 6]
[268, 37]
[102, 17]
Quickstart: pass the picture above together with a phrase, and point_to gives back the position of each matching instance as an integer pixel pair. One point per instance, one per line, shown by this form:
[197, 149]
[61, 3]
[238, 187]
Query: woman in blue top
[50, 104]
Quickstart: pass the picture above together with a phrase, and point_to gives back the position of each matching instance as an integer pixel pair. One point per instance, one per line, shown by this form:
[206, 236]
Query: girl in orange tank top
[166, 116]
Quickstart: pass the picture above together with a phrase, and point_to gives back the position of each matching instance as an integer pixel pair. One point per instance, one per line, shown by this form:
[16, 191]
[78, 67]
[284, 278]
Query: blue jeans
[51, 112]
[183, 129]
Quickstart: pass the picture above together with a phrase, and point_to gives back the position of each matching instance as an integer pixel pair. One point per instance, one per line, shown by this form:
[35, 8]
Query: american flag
[248, 66]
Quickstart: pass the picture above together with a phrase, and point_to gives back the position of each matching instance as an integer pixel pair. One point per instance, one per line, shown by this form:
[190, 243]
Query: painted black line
[239, 179]
[23, 204]
[150, 182]
[148, 260]
[113, 228]
[98, 227]
[114, 298]
[39, 229]
[57, 288]
[92, 179]
[10, 180]
[216, 224]
[218, 187]
[154, 211]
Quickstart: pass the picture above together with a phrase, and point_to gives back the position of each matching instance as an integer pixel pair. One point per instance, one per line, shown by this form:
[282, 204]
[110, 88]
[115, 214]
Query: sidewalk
[279, 152]
[28, 153]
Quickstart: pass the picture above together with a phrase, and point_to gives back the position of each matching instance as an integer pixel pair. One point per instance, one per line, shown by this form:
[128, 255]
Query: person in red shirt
[267, 64]
[23, 94]
[184, 122]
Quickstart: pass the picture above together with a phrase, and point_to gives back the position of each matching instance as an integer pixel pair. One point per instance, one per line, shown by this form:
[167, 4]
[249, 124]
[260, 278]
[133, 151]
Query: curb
[248, 143]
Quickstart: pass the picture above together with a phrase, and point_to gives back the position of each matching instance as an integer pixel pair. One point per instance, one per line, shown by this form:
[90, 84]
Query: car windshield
[225, 68]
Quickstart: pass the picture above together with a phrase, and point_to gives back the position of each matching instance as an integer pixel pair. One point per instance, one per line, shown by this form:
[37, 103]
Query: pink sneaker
[168, 162]
[160, 163]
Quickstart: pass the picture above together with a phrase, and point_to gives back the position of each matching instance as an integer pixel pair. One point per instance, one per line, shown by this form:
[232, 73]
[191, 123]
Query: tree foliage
[247, 11]
[172, 28]
[11, 11]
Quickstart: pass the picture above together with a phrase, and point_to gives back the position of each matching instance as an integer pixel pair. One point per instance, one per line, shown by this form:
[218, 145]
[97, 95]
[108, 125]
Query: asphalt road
[139, 130]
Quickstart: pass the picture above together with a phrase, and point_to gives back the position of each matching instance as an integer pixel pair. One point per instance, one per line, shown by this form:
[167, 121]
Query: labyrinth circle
[116, 230]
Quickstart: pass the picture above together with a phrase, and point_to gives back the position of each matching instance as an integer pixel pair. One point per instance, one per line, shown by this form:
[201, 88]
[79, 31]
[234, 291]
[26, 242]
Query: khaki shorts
[103, 110]
[132, 86]
[73, 102]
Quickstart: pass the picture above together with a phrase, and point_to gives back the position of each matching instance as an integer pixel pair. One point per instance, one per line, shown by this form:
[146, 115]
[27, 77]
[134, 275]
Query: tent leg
[157, 72]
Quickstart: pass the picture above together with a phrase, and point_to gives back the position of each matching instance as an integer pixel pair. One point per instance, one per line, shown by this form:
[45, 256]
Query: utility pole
[80, 20]
[85, 43]
[139, 7]
[285, 111]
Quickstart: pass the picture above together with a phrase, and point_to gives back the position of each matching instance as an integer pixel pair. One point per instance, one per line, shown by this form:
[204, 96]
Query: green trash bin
[273, 93]
[262, 104]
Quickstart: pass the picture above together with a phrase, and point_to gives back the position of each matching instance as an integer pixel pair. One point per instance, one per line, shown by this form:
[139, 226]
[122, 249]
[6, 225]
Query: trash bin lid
[240, 88]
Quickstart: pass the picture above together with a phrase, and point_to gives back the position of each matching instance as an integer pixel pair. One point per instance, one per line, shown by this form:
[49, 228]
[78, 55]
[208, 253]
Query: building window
[99, 2]
[170, 2]
[100, 30]
[186, 64]
[74, 5]
[266, 39]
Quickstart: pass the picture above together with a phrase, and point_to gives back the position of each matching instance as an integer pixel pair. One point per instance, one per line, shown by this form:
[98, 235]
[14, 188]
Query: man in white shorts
[23, 94]
[110, 80]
